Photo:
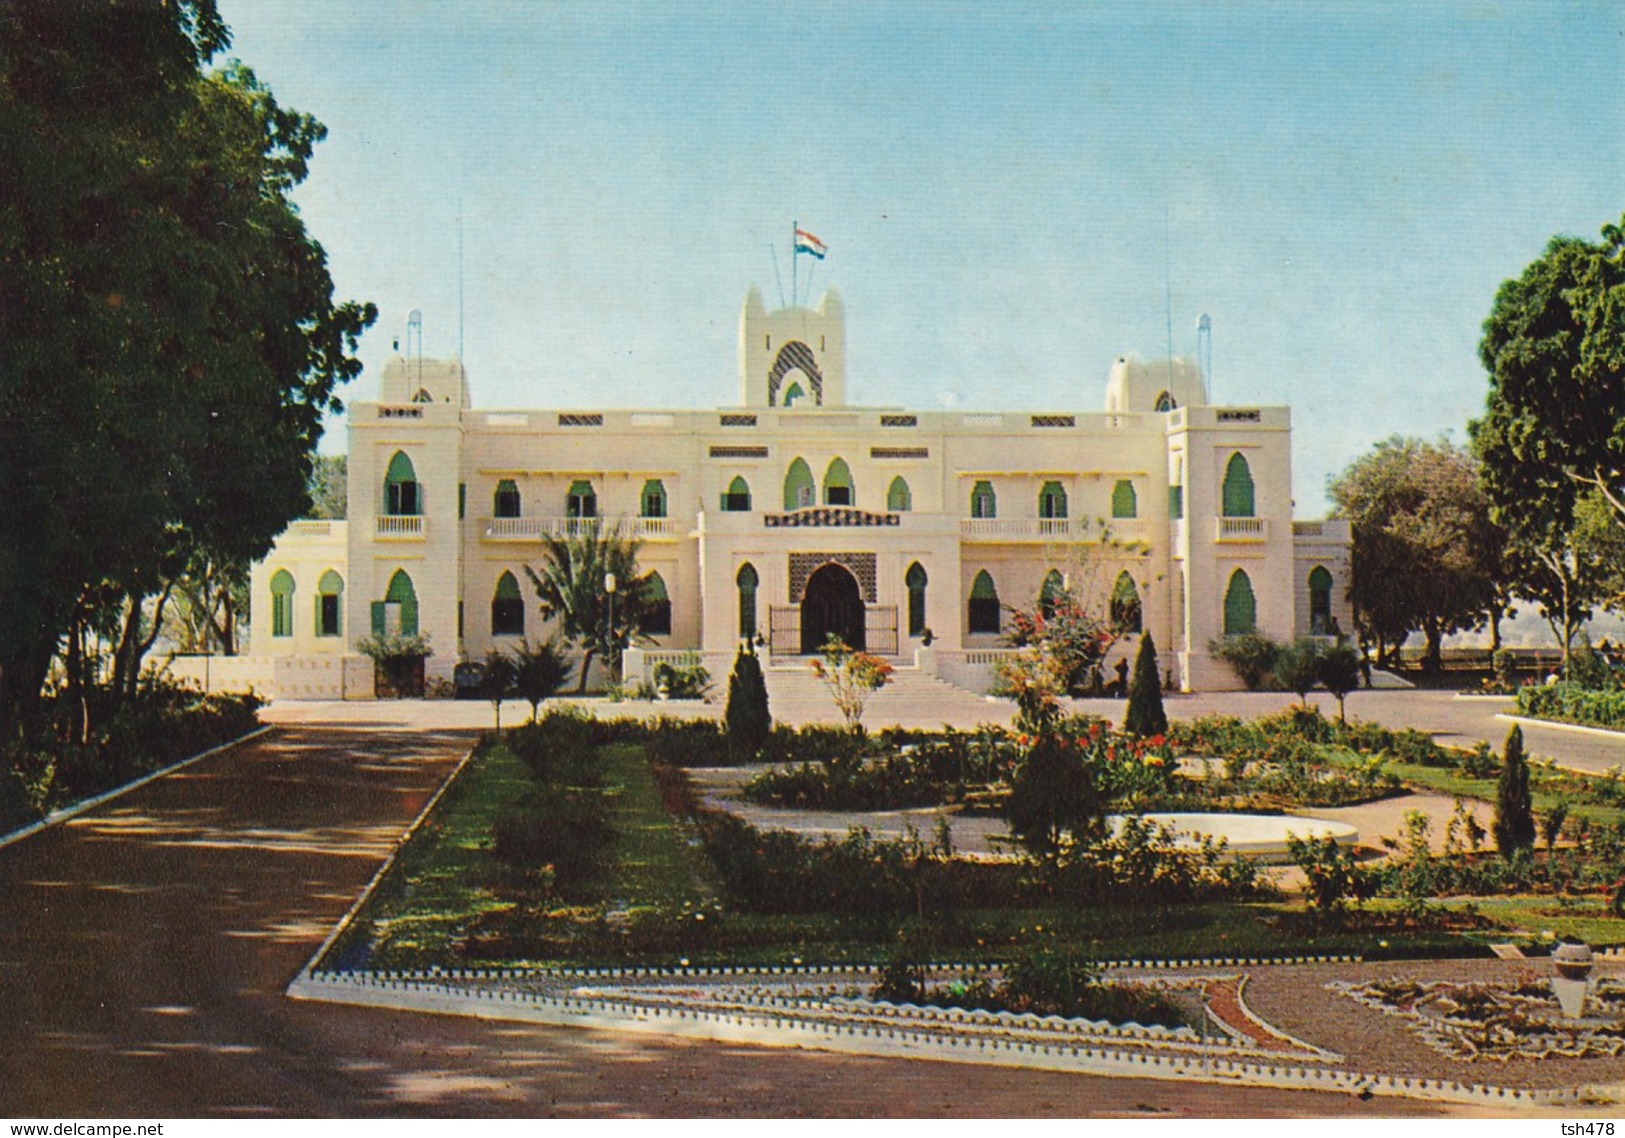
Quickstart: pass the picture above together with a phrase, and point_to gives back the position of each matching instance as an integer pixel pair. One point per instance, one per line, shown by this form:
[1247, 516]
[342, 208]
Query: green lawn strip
[1526, 918]
[443, 878]
[1548, 787]
[655, 861]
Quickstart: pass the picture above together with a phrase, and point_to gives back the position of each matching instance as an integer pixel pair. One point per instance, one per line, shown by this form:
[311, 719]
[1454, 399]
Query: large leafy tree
[1552, 439]
[169, 342]
[571, 587]
[1554, 348]
[1425, 549]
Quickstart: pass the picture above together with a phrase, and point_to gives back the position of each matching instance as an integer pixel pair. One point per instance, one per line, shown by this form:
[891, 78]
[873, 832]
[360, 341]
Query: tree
[852, 677]
[1145, 715]
[1423, 542]
[1338, 670]
[330, 487]
[540, 671]
[1514, 808]
[168, 326]
[748, 718]
[1055, 794]
[1297, 668]
[497, 681]
[1554, 348]
[570, 586]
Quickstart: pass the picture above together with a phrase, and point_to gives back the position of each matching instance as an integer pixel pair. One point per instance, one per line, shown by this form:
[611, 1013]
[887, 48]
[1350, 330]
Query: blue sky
[1009, 193]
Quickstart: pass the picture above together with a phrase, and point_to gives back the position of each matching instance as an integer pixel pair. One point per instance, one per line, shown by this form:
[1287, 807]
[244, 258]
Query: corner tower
[794, 357]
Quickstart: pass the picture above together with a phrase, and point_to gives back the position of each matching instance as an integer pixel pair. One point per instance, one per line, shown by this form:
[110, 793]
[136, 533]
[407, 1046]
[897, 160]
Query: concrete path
[145, 946]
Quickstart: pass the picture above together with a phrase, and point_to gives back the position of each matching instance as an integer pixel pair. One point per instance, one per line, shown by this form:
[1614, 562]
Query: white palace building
[794, 514]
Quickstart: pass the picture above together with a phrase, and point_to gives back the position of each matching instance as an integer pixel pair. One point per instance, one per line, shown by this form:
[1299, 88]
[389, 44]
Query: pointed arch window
[915, 580]
[282, 603]
[1320, 602]
[1240, 607]
[1052, 501]
[898, 498]
[793, 394]
[505, 502]
[1237, 494]
[657, 606]
[1126, 611]
[838, 484]
[736, 498]
[581, 501]
[1052, 590]
[747, 581]
[800, 491]
[1125, 502]
[402, 495]
[507, 607]
[983, 611]
[397, 613]
[1166, 402]
[983, 502]
[330, 604]
[653, 499]
[423, 396]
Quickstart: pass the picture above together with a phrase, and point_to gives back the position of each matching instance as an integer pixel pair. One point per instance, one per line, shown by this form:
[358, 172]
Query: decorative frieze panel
[804, 565]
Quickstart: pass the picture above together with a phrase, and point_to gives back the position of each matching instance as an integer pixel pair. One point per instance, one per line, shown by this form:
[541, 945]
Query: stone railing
[400, 525]
[1241, 529]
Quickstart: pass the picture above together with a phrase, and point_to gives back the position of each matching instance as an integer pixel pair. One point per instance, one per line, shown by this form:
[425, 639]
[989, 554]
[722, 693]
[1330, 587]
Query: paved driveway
[144, 948]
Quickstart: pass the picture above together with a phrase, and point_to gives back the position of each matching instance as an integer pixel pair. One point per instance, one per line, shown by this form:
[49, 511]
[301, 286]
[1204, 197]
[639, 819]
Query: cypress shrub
[748, 718]
[1514, 808]
[1145, 715]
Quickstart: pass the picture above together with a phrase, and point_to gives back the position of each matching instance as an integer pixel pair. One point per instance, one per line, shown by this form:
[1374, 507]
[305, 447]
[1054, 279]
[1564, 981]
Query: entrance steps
[912, 698]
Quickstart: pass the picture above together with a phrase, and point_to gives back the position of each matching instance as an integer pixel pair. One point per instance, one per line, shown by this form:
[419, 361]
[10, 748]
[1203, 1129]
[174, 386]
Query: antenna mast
[1204, 351]
[414, 333]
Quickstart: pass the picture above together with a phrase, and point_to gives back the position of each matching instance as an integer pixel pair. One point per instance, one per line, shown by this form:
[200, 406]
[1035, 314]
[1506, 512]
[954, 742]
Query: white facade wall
[458, 549]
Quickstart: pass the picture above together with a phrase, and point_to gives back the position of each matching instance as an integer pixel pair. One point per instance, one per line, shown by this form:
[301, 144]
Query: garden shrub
[1571, 703]
[559, 749]
[1145, 715]
[903, 769]
[1297, 668]
[686, 679]
[564, 830]
[1251, 656]
[686, 743]
[1514, 807]
[749, 722]
[772, 871]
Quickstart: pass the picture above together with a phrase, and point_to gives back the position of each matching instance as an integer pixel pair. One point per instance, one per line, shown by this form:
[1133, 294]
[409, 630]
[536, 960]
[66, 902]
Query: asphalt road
[145, 946]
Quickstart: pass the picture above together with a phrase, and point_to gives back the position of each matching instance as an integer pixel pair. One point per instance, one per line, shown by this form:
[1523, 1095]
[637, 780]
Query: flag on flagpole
[807, 243]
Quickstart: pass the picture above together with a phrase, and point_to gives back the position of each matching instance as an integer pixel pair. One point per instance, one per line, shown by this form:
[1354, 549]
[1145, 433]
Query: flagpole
[795, 260]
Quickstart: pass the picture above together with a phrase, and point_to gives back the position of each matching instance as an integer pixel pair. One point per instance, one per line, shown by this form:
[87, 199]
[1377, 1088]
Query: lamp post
[609, 587]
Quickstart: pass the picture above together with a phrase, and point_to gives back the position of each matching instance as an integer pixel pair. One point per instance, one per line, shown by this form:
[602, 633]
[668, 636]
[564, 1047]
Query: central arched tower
[795, 357]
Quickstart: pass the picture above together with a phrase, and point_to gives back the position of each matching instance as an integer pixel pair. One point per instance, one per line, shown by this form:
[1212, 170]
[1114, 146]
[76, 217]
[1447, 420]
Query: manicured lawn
[657, 900]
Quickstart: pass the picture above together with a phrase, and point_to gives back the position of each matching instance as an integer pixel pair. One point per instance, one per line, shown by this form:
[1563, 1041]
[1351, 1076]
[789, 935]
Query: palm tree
[540, 670]
[570, 586]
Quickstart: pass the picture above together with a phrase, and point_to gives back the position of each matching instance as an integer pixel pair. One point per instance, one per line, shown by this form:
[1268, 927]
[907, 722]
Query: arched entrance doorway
[832, 604]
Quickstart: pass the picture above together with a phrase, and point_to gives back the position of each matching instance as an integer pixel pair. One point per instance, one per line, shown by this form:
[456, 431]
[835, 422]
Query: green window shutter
[984, 604]
[799, 486]
[1125, 503]
[1126, 610]
[983, 502]
[1176, 502]
[377, 618]
[898, 498]
[838, 484]
[1052, 501]
[1240, 607]
[915, 579]
[282, 603]
[1238, 488]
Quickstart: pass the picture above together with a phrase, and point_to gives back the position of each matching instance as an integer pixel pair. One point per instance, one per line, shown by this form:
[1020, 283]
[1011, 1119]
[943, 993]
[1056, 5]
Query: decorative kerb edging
[734, 1026]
